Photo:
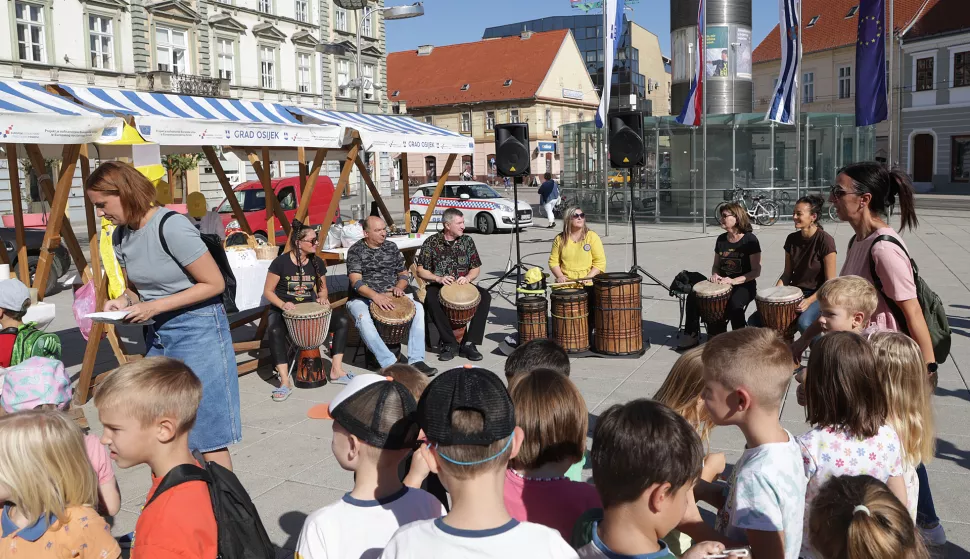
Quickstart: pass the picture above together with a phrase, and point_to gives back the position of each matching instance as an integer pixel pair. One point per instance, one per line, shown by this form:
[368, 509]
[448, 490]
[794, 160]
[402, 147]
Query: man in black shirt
[375, 266]
[451, 257]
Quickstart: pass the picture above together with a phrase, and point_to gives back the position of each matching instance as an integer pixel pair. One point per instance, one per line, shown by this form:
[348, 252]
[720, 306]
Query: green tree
[179, 164]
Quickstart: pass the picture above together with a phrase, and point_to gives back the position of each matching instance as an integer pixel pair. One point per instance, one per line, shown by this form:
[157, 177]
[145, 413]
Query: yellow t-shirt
[85, 535]
[577, 259]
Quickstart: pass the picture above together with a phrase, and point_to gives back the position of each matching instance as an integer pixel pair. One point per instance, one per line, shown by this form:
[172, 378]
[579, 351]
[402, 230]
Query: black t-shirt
[808, 257]
[297, 285]
[736, 257]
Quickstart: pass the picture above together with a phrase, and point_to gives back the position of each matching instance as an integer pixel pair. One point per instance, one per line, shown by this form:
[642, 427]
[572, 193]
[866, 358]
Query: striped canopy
[391, 133]
[29, 114]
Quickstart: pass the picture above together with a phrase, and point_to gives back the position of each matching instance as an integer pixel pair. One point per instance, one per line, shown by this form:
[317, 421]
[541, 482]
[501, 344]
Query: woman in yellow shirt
[577, 253]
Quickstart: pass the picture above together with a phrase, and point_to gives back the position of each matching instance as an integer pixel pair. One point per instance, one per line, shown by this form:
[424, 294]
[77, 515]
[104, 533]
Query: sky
[446, 22]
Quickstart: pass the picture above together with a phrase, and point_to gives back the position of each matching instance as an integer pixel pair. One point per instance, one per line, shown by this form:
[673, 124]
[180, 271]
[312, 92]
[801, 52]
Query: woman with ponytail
[858, 517]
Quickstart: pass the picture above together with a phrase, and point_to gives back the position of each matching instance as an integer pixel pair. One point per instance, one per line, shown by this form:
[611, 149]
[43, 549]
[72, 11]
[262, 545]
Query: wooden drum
[460, 303]
[308, 324]
[570, 319]
[531, 312]
[617, 314]
[779, 309]
[394, 325]
[712, 304]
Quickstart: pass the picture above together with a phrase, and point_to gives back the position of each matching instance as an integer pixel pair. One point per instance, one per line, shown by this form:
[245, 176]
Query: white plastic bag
[333, 236]
[351, 233]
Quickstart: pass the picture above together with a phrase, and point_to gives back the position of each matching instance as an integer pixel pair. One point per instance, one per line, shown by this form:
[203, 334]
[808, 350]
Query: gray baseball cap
[14, 295]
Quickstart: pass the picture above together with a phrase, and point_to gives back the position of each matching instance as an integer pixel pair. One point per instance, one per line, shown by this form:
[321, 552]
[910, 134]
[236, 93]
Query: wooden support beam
[437, 193]
[216, 165]
[272, 204]
[89, 216]
[301, 163]
[97, 329]
[406, 189]
[337, 193]
[365, 173]
[266, 179]
[307, 185]
[18, 214]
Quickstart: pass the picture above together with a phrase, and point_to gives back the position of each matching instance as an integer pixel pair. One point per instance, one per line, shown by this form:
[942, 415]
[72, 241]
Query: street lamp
[339, 49]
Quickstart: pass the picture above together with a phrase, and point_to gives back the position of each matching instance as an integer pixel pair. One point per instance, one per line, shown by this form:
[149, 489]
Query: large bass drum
[570, 319]
[617, 314]
[308, 324]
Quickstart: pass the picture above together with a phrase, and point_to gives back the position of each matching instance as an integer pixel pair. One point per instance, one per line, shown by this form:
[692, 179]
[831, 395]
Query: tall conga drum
[617, 314]
[395, 324]
[570, 319]
[532, 320]
[460, 302]
[779, 309]
[712, 304]
[308, 324]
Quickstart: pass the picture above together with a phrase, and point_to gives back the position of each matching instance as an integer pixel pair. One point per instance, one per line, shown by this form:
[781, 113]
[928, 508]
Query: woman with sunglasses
[577, 253]
[293, 278]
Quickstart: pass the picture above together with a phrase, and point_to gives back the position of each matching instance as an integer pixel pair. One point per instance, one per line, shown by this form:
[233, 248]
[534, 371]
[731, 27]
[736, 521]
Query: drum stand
[636, 269]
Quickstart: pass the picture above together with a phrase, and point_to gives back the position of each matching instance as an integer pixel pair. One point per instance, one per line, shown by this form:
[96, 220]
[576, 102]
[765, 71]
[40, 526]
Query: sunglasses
[579, 215]
[725, 216]
[312, 241]
[837, 192]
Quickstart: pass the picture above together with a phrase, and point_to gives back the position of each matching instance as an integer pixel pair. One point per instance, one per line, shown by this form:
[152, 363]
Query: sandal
[341, 379]
[281, 393]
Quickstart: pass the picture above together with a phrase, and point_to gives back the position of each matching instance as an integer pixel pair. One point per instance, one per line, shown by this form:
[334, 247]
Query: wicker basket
[267, 252]
[236, 245]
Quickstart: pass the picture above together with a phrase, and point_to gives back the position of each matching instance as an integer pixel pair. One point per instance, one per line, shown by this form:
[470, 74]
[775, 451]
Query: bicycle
[761, 210]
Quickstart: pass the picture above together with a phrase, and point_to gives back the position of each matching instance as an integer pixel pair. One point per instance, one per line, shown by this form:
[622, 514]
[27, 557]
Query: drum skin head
[403, 310]
[461, 295]
[780, 294]
[569, 294]
[622, 277]
[710, 289]
[304, 310]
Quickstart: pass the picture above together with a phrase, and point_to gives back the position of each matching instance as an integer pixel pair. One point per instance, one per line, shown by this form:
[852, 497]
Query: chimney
[425, 50]
[526, 35]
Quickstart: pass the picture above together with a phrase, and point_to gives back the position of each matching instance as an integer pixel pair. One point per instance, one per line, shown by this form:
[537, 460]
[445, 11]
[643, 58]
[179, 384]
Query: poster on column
[742, 65]
[716, 51]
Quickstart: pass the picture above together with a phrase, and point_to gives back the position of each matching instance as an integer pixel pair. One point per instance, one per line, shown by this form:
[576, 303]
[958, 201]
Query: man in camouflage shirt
[375, 266]
[451, 257]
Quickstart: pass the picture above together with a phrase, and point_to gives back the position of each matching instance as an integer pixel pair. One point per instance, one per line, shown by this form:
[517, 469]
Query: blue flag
[870, 63]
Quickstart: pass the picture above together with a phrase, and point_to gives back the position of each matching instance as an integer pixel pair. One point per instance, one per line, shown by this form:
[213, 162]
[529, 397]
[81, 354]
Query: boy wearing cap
[469, 422]
[373, 430]
[19, 341]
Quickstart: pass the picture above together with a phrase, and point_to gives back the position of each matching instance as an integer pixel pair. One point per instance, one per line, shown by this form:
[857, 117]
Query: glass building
[588, 31]
[744, 151]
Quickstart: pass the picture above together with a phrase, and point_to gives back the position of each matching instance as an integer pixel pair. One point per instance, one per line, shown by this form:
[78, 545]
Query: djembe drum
[532, 321]
[395, 324]
[712, 304]
[617, 314]
[570, 319]
[460, 302]
[779, 309]
[308, 324]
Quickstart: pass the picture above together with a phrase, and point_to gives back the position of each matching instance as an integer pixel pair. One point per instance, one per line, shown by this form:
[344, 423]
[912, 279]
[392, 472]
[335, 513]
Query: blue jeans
[925, 509]
[199, 337]
[359, 310]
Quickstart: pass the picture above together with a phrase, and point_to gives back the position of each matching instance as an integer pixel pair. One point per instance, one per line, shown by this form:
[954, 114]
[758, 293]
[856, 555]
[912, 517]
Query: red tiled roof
[833, 29]
[437, 78]
[944, 17]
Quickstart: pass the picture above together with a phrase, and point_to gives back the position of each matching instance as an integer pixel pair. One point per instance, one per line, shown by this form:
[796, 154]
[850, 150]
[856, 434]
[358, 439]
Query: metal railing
[185, 84]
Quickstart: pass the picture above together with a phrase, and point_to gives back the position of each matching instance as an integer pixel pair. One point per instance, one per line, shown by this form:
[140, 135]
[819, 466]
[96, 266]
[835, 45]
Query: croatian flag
[611, 38]
[782, 108]
[694, 106]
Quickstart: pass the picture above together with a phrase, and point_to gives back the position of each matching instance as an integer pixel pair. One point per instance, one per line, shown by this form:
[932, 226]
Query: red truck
[252, 198]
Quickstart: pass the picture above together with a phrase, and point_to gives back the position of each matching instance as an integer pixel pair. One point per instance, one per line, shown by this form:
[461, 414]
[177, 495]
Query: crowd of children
[465, 466]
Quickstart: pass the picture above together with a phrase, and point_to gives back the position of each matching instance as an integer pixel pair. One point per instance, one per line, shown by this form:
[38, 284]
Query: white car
[484, 208]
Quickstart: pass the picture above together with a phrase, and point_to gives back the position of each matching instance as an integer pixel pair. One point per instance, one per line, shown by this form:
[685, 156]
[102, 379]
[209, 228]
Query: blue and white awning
[391, 133]
[184, 120]
[29, 114]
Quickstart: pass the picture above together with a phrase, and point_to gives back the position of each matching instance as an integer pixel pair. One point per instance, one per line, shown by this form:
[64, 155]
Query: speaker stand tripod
[636, 269]
[518, 268]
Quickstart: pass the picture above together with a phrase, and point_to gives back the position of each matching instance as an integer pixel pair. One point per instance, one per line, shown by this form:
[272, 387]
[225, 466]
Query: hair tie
[862, 508]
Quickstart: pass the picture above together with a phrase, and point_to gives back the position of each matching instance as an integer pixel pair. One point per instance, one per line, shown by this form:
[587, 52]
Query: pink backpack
[35, 382]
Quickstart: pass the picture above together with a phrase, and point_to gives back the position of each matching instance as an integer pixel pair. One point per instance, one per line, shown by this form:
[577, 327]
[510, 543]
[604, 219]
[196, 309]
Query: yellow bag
[112, 270]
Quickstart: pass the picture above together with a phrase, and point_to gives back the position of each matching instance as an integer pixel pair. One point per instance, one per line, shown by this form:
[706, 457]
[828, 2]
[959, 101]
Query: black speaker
[626, 139]
[512, 153]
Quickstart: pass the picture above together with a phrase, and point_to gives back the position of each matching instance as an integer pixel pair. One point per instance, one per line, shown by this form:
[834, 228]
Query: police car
[484, 208]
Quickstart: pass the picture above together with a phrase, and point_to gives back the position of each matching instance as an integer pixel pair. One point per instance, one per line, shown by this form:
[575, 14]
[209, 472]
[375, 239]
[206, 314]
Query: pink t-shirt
[99, 458]
[892, 267]
[557, 503]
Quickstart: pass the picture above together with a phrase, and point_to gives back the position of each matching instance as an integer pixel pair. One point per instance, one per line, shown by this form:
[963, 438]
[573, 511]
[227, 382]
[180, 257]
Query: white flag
[611, 40]
[782, 108]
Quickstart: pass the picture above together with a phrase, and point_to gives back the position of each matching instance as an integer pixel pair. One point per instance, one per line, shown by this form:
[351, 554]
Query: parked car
[484, 208]
[33, 239]
[252, 198]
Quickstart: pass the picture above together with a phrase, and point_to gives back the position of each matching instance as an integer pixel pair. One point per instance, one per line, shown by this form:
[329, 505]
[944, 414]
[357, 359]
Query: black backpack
[241, 534]
[214, 245]
[932, 306]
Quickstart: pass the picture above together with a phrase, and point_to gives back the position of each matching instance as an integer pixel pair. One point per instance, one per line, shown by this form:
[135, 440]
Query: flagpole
[702, 75]
[889, 86]
[606, 148]
[798, 109]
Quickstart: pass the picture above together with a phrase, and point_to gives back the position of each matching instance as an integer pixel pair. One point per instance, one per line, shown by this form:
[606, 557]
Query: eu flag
[870, 63]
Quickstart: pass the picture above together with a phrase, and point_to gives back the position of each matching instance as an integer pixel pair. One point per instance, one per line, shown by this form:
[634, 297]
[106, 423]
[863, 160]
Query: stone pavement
[285, 462]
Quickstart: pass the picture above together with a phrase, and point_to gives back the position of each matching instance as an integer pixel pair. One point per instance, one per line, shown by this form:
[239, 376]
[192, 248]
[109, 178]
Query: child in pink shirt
[552, 414]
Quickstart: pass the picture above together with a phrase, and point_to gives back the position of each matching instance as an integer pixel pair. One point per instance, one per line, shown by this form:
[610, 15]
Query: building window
[582, 116]
[924, 74]
[368, 85]
[513, 115]
[852, 11]
[101, 33]
[845, 82]
[961, 69]
[813, 21]
[489, 120]
[343, 78]
[30, 32]
[367, 26]
[960, 158]
[548, 119]
[466, 122]
[267, 67]
[808, 87]
[266, 6]
[226, 51]
[170, 50]
[303, 74]
[429, 120]
[302, 10]
[340, 19]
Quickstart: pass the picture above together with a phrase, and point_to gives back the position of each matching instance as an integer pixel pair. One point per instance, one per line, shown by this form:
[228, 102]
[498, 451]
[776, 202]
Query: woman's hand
[142, 312]
[288, 306]
[703, 549]
[116, 304]
[803, 306]
[715, 278]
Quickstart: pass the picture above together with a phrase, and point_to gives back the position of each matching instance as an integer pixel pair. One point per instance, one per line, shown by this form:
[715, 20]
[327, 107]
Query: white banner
[611, 39]
[26, 128]
[389, 142]
[190, 132]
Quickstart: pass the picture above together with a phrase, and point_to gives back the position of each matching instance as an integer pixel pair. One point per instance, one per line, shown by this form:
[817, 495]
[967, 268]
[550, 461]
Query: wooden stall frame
[437, 193]
[216, 165]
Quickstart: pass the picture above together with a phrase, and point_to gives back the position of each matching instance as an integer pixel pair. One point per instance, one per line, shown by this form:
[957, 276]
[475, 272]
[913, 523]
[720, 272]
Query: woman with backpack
[862, 196]
[177, 293]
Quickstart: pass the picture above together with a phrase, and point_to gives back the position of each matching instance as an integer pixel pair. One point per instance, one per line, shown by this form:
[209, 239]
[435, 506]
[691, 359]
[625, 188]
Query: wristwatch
[932, 367]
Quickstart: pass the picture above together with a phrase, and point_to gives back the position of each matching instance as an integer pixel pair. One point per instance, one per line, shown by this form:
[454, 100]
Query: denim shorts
[199, 336]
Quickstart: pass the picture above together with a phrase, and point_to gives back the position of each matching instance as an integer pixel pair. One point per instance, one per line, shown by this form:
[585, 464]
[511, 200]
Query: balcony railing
[185, 84]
